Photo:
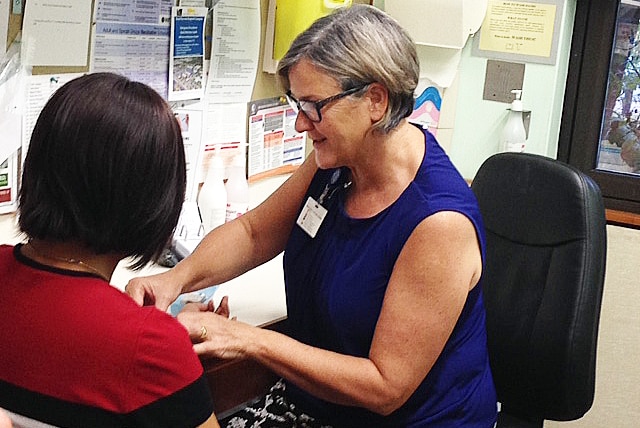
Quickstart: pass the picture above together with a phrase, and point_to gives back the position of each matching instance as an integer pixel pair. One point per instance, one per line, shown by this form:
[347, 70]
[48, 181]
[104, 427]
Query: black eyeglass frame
[297, 106]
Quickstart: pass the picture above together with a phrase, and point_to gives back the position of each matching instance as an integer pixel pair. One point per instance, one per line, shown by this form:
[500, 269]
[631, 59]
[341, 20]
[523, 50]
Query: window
[600, 131]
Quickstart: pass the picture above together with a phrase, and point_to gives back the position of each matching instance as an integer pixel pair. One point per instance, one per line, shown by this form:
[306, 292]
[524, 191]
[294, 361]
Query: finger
[194, 307]
[196, 329]
[201, 349]
[136, 293]
[223, 307]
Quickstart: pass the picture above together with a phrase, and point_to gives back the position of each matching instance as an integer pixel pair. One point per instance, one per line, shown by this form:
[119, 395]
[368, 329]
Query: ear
[378, 96]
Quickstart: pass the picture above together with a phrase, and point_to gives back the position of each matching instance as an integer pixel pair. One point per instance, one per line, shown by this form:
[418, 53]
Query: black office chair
[543, 283]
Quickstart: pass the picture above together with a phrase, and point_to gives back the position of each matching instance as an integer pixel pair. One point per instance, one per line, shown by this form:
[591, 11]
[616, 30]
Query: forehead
[308, 81]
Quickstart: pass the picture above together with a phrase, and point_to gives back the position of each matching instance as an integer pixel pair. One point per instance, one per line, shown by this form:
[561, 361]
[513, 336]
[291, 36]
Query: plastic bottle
[237, 188]
[514, 135]
[212, 199]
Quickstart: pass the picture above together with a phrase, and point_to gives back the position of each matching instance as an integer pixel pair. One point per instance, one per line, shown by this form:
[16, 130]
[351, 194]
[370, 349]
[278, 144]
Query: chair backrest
[543, 283]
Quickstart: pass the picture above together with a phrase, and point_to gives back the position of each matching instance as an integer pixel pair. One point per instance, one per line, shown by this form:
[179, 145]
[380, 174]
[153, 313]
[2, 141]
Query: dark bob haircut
[106, 168]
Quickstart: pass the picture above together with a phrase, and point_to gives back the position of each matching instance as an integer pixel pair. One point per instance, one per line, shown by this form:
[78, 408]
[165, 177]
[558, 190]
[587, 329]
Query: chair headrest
[524, 189]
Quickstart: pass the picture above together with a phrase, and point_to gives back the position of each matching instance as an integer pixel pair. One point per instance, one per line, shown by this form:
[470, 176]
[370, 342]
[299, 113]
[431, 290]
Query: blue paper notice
[186, 67]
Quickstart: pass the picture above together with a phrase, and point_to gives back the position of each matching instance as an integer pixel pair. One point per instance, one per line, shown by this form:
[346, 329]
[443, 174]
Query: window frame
[585, 92]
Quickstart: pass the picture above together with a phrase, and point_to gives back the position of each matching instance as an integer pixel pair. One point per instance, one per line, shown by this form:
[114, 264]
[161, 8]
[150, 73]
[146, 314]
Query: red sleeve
[166, 376]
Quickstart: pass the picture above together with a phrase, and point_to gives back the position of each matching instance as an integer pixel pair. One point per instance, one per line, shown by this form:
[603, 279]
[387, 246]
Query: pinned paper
[186, 58]
[426, 111]
[56, 33]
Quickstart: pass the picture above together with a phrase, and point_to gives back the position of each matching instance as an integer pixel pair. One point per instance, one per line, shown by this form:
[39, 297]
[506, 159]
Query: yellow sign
[518, 28]
[295, 16]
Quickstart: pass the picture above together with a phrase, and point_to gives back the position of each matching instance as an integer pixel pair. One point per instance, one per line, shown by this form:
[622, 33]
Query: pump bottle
[514, 135]
[237, 189]
[212, 199]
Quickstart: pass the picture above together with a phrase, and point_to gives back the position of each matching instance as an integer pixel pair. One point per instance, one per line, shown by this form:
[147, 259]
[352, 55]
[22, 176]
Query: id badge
[311, 217]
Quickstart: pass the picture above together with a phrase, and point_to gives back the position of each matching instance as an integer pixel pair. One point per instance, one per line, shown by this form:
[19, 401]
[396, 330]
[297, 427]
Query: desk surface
[257, 297]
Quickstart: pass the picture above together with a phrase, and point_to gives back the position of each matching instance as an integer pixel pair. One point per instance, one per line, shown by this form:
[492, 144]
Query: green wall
[478, 123]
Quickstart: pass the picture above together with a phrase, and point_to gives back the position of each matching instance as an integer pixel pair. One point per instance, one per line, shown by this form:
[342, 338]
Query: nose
[303, 123]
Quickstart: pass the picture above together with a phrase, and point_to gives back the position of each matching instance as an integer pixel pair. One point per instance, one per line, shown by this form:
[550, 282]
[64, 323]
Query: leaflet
[186, 66]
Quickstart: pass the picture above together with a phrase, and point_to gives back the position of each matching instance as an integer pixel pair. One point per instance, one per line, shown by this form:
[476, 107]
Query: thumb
[161, 302]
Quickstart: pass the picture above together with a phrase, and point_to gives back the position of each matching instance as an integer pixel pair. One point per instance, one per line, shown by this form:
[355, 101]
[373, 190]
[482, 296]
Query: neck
[71, 256]
[380, 176]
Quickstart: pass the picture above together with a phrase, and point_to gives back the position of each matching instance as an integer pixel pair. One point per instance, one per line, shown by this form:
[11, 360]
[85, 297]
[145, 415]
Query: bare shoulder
[445, 243]
[445, 226]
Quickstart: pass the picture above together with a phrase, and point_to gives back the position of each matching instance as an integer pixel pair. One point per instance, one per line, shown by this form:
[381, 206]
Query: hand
[215, 335]
[158, 290]
[223, 307]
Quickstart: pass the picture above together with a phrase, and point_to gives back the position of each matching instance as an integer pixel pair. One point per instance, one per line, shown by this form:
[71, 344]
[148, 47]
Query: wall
[479, 123]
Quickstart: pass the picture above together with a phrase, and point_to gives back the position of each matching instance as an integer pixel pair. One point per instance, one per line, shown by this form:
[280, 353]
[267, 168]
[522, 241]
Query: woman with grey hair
[383, 252]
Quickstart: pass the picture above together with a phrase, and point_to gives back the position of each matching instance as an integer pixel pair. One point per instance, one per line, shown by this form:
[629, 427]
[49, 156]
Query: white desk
[257, 297]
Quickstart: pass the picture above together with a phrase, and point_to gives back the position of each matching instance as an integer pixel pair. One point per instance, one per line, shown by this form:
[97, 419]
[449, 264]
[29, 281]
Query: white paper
[190, 118]
[56, 32]
[10, 118]
[232, 75]
[5, 7]
[11, 103]
[38, 91]
[132, 38]
[235, 51]
[224, 130]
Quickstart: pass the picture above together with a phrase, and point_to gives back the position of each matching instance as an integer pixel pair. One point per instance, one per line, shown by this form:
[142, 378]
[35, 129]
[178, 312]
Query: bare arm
[438, 266]
[212, 422]
[233, 248]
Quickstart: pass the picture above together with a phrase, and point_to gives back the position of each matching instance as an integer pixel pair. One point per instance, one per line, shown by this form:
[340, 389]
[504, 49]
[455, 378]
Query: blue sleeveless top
[335, 284]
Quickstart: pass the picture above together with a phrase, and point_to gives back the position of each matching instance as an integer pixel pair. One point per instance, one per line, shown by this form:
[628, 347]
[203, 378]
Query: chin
[325, 162]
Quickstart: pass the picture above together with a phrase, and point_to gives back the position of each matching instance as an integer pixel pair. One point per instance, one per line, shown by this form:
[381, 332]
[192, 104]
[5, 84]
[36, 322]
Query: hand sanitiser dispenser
[514, 135]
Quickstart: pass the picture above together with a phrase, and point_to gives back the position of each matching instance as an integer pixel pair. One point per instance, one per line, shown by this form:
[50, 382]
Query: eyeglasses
[311, 109]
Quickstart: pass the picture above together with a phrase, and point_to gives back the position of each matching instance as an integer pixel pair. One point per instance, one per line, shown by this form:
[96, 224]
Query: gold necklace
[66, 260]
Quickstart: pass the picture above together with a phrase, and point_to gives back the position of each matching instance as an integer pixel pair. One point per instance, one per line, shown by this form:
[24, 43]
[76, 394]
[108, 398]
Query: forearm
[334, 377]
[223, 254]
[248, 241]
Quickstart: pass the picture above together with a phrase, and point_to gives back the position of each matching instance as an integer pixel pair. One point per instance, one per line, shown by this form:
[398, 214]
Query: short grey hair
[357, 46]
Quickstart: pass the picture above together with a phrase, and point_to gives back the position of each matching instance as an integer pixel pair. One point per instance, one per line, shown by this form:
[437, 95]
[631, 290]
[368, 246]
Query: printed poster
[186, 66]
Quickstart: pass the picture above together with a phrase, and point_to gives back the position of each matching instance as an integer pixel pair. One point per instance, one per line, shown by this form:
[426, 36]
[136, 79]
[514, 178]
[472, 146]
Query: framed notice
[520, 31]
